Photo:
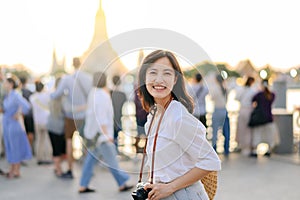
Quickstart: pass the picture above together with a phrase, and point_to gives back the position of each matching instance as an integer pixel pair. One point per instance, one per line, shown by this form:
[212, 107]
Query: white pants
[43, 146]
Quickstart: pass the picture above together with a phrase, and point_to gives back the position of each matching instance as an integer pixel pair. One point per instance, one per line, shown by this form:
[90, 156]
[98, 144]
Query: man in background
[118, 100]
[76, 87]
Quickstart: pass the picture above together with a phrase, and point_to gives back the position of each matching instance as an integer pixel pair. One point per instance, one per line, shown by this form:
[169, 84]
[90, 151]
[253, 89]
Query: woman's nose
[159, 78]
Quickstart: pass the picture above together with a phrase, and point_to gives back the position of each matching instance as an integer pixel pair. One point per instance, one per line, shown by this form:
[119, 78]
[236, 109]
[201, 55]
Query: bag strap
[153, 111]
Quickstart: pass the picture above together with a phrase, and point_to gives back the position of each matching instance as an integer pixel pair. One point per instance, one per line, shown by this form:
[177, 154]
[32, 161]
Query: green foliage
[202, 68]
[207, 67]
[231, 73]
[19, 73]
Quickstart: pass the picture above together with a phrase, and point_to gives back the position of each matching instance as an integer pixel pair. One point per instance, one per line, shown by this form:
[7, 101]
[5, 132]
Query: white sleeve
[191, 136]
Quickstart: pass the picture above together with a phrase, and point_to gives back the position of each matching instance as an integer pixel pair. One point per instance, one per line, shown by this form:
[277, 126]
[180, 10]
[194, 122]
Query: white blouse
[244, 95]
[99, 113]
[181, 144]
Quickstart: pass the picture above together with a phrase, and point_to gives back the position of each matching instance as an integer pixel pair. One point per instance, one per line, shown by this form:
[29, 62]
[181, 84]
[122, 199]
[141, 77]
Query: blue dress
[17, 147]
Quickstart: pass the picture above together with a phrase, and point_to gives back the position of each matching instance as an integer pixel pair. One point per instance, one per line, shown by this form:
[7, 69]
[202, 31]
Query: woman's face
[160, 79]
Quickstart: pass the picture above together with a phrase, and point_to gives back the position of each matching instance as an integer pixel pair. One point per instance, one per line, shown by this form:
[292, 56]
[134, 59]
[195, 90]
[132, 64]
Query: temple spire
[100, 4]
[100, 52]
[57, 66]
[100, 33]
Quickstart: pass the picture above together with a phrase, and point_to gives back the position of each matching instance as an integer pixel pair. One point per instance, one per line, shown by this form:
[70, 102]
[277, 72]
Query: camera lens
[140, 194]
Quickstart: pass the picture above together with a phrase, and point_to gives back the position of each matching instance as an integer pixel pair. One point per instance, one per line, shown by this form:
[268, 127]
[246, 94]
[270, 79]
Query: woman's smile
[159, 87]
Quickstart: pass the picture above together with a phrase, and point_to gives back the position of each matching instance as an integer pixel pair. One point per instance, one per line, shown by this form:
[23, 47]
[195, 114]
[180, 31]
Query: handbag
[210, 183]
[257, 117]
[91, 143]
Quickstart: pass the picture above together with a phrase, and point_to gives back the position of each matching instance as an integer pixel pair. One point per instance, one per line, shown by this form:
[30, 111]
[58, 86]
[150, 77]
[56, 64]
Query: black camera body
[140, 193]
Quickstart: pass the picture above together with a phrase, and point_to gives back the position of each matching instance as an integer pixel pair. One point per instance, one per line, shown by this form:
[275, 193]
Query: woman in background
[99, 123]
[40, 110]
[220, 119]
[55, 126]
[268, 132]
[17, 147]
[243, 134]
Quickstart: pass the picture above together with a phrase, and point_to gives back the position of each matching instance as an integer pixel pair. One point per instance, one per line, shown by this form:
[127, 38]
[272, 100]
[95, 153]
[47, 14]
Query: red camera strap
[152, 111]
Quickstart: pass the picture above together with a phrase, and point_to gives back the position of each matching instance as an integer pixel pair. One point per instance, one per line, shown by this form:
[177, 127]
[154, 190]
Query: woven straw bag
[210, 182]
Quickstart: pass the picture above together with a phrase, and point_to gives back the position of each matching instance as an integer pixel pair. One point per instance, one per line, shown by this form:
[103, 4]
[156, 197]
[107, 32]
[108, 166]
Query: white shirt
[99, 113]
[76, 87]
[181, 144]
[40, 107]
[217, 96]
[198, 92]
[244, 95]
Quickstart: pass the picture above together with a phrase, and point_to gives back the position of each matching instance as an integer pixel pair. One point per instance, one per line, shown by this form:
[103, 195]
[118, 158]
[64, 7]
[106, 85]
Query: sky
[266, 32]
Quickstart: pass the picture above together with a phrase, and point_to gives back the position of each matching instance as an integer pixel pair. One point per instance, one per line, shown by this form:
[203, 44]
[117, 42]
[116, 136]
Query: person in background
[2, 93]
[243, 134]
[28, 118]
[220, 118]
[40, 107]
[118, 99]
[17, 147]
[76, 87]
[199, 91]
[55, 127]
[99, 122]
[141, 119]
[268, 132]
[183, 155]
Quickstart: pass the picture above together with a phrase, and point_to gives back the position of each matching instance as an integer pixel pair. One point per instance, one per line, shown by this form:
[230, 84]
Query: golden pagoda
[100, 56]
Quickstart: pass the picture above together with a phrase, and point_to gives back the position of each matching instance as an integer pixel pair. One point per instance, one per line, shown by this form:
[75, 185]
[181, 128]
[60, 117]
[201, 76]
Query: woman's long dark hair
[268, 94]
[179, 90]
[220, 82]
[249, 82]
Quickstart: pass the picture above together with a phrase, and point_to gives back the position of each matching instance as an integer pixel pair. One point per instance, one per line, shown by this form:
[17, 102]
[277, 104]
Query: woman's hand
[17, 116]
[159, 191]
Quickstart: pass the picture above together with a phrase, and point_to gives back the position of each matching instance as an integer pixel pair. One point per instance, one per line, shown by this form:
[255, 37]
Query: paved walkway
[242, 178]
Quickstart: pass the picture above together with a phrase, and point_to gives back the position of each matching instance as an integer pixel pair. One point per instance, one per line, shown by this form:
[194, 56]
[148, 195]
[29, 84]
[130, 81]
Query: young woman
[55, 127]
[99, 121]
[17, 147]
[183, 156]
[243, 133]
[220, 119]
[267, 132]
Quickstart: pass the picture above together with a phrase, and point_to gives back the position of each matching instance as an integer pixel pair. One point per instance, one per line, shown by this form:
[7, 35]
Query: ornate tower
[57, 67]
[100, 51]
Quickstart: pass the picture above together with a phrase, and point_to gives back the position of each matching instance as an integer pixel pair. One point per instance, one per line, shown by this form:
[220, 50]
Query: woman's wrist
[172, 186]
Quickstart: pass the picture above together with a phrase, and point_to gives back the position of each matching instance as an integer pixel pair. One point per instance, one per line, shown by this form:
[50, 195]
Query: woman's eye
[152, 72]
[169, 73]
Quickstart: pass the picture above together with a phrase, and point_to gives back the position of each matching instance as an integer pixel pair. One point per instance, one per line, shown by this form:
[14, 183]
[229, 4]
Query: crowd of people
[41, 124]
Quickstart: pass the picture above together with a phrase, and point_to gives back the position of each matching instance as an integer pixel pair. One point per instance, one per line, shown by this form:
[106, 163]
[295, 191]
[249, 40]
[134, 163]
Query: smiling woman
[174, 135]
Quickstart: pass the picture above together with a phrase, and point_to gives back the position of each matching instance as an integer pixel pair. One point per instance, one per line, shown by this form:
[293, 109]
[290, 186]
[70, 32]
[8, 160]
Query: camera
[140, 193]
